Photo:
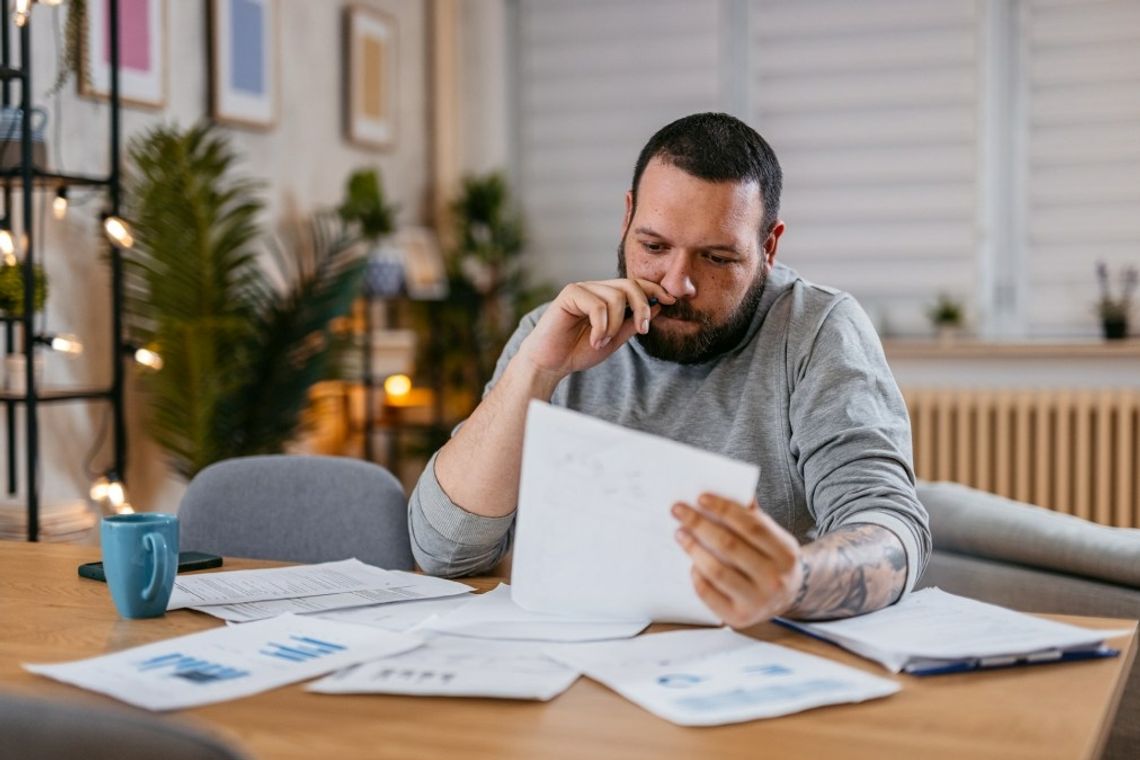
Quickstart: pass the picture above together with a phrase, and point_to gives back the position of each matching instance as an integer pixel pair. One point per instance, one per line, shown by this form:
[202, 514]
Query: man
[737, 355]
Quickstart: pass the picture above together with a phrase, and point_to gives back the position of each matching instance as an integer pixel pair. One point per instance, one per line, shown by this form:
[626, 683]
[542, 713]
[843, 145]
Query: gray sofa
[1036, 560]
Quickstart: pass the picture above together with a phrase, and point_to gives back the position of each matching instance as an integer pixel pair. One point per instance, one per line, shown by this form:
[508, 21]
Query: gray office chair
[39, 729]
[298, 509]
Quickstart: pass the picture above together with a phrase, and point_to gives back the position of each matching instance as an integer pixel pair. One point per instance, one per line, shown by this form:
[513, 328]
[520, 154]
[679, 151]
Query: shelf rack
[29, 179]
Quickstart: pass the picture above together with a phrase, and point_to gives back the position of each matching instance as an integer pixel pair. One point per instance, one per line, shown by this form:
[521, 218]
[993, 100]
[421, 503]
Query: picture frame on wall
[243, 43]
[142, 52]
[370, 77]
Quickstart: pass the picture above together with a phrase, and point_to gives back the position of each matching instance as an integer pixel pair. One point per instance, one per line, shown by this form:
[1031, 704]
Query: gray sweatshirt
[806, 395]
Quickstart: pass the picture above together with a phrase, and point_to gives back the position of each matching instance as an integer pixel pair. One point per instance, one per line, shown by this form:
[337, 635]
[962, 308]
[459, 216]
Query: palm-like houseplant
[241, 345]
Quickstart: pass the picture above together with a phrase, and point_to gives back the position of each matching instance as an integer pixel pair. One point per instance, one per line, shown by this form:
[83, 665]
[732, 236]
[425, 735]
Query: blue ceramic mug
[140, 560]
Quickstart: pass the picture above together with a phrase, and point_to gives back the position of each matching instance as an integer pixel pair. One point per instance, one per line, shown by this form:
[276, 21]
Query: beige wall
[304, 161]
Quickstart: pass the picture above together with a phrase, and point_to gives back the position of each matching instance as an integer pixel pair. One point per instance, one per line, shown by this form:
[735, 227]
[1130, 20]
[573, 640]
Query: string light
[109, 490]
[7, 247]
[59, 204]
[118, 231]
[21, 9]
[397, 385]
[148, 358]
[65, 343]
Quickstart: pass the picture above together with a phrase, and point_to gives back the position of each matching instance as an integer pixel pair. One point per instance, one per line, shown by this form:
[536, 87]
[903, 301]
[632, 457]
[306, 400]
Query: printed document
[449, 666]
[494, 615]
[411, 587]
[712, 677]
[227, 663]
[398, 616]
[931, 630]
[594, 533]
[285, 583]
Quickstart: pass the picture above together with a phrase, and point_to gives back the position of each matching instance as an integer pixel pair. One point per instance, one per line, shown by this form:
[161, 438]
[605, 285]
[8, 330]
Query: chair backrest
[298, 509]
[39, 729]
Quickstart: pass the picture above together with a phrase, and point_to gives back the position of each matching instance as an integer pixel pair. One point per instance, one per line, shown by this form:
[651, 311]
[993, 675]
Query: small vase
[1115, 329]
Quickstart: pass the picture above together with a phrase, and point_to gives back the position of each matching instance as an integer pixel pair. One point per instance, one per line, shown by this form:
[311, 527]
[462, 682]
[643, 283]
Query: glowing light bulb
[100, 489]
[116, 495]
[20, 11]
[59, 204]
[125, 509]
[119, 232]
[7, 246]
[66, 344]
[149, 359]
[397, 385]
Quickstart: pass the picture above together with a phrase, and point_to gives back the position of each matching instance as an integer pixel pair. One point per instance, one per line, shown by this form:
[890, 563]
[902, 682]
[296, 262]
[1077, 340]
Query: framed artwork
[243, 62]
[370, 77]
[142, 52]
[425, 274]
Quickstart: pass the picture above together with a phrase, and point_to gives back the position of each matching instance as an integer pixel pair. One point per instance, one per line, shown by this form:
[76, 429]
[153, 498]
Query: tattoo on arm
[856, 569]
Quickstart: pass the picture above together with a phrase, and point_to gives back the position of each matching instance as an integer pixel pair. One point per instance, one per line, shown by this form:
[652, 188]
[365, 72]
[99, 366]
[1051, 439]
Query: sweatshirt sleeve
[851, 435]
[447, 540]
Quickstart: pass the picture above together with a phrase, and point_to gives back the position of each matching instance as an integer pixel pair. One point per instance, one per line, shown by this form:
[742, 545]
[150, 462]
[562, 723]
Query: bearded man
[706, 340]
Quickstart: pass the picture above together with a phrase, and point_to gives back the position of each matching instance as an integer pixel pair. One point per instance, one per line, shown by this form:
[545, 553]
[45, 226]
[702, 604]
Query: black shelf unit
[31, 180]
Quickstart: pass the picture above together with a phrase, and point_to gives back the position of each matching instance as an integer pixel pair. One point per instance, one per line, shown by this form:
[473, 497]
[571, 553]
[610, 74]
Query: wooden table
[48, 614]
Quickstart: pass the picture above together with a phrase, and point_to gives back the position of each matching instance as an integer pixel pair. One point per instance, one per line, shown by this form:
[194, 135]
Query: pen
[629, 311]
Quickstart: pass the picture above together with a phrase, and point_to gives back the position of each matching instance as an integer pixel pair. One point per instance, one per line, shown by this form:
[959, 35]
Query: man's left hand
[746, 568]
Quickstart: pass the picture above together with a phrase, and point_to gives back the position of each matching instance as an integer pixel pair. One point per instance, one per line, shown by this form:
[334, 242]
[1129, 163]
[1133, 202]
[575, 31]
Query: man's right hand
[587, 322]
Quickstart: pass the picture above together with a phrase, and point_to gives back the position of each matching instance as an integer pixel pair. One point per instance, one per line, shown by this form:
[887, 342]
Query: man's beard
[711, 339]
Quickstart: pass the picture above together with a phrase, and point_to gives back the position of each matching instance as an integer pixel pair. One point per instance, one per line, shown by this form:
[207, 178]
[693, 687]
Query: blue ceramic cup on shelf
[140, 560]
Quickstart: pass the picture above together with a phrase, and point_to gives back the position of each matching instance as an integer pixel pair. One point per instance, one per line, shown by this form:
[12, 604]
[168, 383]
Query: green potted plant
[366, 207]
[12, 289]
[947, 315]
[489, 289]
[241, 346]
[1114, 312]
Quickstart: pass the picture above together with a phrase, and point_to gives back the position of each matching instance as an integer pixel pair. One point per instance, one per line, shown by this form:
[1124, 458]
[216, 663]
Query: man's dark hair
[718, 148]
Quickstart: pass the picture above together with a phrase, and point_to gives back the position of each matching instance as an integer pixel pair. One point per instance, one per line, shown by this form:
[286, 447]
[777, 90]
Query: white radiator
[1076, 452]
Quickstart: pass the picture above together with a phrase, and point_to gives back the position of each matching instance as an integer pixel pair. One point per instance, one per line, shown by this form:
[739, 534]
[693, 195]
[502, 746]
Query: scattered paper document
[407, 587]
[594, 533]
[283, 583]
[931, 631]
[494, 615]
[398, 616]
[712, 677]
[227, 663]
[449, 666]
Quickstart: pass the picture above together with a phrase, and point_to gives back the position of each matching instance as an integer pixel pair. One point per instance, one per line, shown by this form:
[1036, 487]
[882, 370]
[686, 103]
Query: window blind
[1081, 63]
[873, 109]
[595, 79]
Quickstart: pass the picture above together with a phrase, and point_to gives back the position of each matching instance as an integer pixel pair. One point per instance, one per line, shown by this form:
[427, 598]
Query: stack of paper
[227, 663]
[931, 632]
[494, 615]
[452, 666]
[61, 521]
[709, 677]
[245, 595]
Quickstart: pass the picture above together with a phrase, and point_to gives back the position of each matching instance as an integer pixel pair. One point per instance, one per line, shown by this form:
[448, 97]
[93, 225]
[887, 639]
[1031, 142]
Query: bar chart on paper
[227, 663]
[192, 669]
[301, 649]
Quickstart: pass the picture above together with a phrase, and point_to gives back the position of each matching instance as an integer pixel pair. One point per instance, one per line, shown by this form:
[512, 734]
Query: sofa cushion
[968, 521]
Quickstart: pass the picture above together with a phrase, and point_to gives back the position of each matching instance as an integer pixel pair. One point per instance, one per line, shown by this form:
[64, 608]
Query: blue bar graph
[191, 669]
[301, 649]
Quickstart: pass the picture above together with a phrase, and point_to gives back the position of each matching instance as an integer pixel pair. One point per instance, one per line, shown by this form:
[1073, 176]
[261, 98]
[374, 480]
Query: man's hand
[587, 322]
[748, 569]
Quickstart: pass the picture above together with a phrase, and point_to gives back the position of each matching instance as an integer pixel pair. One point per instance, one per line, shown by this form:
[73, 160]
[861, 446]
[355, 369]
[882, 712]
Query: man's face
[700, 241]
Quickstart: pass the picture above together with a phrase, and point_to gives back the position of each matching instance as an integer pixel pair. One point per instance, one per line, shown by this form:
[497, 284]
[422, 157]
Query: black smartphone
[187, 562]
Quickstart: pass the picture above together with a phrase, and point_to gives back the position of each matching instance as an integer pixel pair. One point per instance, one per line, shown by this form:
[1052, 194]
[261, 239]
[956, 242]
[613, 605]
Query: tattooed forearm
[854, 570]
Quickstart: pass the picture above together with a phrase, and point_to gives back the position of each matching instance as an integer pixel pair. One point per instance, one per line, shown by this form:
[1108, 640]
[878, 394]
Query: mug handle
[156, 545]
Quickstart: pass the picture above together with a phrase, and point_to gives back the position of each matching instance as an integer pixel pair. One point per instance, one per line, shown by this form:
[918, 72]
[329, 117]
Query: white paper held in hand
[594, 532]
